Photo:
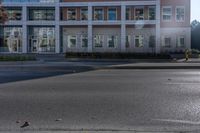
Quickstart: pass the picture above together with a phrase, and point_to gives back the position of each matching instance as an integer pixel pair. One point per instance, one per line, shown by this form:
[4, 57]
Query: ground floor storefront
[42, 39]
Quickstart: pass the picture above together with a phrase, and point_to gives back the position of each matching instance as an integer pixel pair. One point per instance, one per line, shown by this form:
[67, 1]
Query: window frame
[169, 7]
[81, 11]
[135, 37]
[95, 46]
[115, 40]
[163, 45]
[75, 15]
[178, 44]
[138, 7]
[149, 12]
[109, 15]
[70, 46]
[182, 7]
[82, 36]
[103, 18]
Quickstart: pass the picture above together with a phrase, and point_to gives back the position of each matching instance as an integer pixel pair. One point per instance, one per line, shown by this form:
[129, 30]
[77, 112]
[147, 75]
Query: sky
[195, 10]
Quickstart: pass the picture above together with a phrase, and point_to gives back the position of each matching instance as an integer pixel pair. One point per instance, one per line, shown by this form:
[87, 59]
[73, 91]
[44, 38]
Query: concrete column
[123, 28]
[158, 37]
[24, 30]
[57, 28]
[90, 28]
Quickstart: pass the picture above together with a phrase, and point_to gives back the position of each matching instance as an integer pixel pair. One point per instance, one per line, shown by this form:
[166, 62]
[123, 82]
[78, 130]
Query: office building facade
[59, 26]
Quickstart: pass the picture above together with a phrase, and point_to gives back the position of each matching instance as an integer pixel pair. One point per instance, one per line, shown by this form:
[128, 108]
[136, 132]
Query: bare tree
[3, 14]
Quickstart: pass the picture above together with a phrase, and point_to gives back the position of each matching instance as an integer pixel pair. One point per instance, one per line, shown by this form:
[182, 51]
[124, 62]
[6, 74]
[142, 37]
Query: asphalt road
[103, 100]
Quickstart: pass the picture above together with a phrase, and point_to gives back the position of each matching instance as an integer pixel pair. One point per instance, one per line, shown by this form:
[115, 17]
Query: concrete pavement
[104, 100]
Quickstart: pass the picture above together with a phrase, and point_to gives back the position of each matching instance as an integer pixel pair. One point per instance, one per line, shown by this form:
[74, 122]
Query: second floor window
[71, 14]
[14, 14]
[152, 13]
[180, 13]
[98, 14]
[42, 14]
[112, 14]
[167, 13]
[139, 13]
[84, 14]
[128, 13]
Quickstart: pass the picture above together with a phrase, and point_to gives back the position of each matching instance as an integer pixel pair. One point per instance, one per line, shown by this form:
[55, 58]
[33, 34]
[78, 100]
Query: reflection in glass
[112, 41]
[11, 39]
[42, 39]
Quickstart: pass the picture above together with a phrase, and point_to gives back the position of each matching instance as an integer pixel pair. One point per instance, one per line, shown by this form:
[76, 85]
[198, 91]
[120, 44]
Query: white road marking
[178, 121]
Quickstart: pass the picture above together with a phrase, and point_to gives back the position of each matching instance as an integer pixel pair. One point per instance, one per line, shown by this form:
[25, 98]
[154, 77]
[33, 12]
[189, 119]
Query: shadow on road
[28, 73]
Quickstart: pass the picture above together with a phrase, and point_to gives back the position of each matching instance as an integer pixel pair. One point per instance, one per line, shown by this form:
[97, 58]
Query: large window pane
[180, 41]
[71, 40]
[180, 13]
[152, 13]
[112, 41]
[41, 14]
[139, 13]
[84, 40]
[112, 14]
[98, 40]
[14, 14]
[98, 14]
[84, 14]
[11, 39]
[71, 14]
[42, 39]
[167, 13]
[139, 41]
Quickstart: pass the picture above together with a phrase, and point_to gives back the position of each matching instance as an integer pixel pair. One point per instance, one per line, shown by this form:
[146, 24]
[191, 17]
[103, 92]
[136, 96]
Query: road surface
[103, 100]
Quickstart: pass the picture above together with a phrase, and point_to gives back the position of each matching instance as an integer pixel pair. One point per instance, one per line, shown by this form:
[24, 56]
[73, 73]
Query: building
[58, 26]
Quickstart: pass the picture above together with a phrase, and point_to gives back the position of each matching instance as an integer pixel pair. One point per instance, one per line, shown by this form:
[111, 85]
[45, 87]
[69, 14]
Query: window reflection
[11, 39]
[42, 39]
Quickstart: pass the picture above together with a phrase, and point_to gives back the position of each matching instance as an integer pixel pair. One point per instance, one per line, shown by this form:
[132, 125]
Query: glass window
[71, 14]
[167, 13]
[41, 14]
[180, 42]
[166, 42]
[84, 40]
[112, 41]
[84, 14]
[72, 39]
[98, 40]
[98, 14]
[14, 14]
[139, 13]
[139, 41]
[112, 14]
[180, 13]
[152, 41]
[42, 39]
[11, 39]
[128, 41]
[152, 13]
[128, 14]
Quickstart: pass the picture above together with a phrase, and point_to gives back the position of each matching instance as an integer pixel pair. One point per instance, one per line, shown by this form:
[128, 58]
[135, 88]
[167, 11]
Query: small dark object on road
[18, 121]
[26, 124]
[58, 119]
[169, 79]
